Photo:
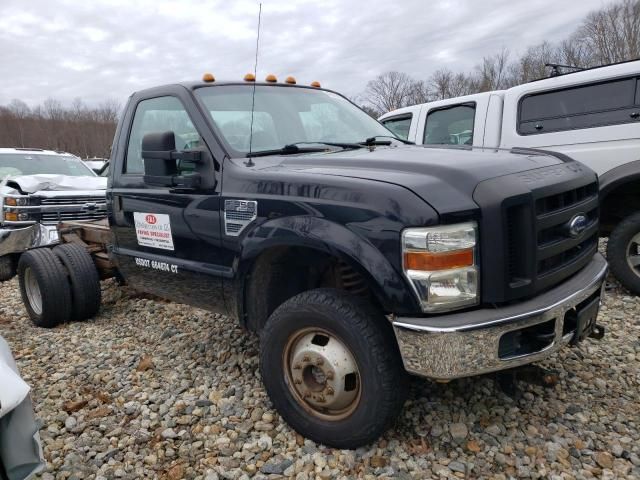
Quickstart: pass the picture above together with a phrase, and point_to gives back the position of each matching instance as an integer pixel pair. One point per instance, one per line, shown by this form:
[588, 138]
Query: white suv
[592, 116]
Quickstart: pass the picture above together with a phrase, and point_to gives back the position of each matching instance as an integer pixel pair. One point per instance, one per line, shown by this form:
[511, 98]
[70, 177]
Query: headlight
[16, 201]
[441, 265]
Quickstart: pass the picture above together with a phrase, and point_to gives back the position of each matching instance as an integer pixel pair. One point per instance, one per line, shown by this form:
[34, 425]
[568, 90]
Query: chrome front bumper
[17, 240]
[469, 343]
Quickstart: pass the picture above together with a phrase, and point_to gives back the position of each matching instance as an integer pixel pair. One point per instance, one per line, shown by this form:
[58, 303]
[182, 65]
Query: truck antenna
[253, 95]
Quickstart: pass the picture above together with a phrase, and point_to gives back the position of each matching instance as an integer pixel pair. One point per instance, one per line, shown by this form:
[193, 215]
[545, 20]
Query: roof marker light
[290, 80]
[315, 84]
[249, 77]
[208, 77]
[271, 78]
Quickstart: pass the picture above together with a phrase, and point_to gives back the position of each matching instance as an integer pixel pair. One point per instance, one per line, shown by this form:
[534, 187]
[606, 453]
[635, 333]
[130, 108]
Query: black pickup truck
[356, 257]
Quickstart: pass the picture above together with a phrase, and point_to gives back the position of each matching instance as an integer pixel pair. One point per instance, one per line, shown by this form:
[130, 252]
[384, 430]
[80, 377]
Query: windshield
[284, 116]
[15, 164]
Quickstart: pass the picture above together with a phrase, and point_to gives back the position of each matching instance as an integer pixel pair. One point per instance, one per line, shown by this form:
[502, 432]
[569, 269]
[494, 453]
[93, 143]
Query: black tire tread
[7, 268]
[54, 287]
[376, 331]
[617, 252]
[83, 278]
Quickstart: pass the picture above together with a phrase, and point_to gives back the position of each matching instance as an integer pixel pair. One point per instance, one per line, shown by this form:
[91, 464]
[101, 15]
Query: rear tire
[332, 369]
[623, 252]
[7, 267]
[44, 288]
[83, 279]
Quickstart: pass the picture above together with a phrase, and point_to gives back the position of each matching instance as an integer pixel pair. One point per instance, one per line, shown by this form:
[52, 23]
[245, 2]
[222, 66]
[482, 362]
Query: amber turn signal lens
[290, 80]
[315, 84]
[430, 261]
[11, 216]
[10, 201]
[208, 77]
[271, 78]
[249, 77]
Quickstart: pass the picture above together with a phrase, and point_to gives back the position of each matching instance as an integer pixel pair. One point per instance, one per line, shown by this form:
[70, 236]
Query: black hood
[443, 177]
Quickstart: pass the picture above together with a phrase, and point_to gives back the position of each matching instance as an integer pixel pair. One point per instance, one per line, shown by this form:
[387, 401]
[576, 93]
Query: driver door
[167, 240]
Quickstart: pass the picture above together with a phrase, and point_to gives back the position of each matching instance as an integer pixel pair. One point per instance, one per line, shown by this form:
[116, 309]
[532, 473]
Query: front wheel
[623, 252]
[332, 368]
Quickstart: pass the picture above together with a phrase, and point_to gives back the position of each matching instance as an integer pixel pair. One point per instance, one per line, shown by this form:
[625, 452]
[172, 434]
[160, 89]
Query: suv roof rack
[555, 66]
[24, 149]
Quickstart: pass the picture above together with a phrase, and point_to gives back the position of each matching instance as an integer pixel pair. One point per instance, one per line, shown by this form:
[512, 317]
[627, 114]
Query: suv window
[450, 125]
[160, 114]
[399, 125]
[585, 106]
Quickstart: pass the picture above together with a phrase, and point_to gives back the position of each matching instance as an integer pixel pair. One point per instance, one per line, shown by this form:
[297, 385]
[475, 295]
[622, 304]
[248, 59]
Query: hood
[46, 182]
[443, 177]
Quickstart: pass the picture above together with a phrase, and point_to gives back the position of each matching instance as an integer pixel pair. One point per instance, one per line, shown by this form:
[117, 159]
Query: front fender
[338, 241]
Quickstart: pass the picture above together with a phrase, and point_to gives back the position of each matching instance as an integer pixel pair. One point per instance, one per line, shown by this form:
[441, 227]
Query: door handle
[538, 126]
[635, 115]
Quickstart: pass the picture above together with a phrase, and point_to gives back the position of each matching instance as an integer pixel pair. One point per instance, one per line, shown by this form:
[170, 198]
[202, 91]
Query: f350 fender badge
[238, 214]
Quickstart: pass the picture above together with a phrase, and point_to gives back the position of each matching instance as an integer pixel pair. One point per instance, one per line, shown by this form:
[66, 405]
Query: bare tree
[389, 91]
[612, 34]
[493, 71]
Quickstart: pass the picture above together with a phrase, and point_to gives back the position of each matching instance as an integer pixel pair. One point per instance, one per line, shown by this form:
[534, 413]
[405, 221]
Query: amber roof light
[290, 80]
[315, 84]
[271, 78]
[249, 77]
[208, 77]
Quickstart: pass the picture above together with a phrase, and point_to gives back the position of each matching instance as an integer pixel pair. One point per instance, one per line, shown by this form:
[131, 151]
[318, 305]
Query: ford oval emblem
[577, 225]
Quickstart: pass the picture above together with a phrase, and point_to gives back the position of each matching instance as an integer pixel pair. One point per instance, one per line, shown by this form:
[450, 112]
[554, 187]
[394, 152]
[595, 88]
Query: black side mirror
[161, 162]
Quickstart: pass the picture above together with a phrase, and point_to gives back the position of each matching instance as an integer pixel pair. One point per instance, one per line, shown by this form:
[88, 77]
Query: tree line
[608, 35]
[79, 129]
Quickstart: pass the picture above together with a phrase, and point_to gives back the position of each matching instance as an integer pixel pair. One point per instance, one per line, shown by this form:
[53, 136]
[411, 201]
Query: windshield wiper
[294, 148]
[372, 140]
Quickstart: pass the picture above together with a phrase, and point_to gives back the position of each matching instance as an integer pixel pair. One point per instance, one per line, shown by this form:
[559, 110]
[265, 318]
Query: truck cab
[591, 115]
[357, 258]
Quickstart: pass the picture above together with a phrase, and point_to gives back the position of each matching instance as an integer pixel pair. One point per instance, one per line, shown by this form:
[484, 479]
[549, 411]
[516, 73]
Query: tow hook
[597, 332]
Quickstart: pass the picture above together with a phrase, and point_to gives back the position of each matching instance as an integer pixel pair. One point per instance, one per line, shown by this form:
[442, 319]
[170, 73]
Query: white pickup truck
[591, 115]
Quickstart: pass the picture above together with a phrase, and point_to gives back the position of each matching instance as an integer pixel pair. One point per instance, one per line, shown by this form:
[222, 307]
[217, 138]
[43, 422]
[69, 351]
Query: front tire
[332, 368]
[623, 252]
[44, 288]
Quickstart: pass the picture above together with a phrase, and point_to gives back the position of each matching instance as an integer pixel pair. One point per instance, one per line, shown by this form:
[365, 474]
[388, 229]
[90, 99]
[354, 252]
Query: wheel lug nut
[297, 366]
[306, 358]
[306, 395]
[329, 375]
[297, 381]
[320, 361]
[320, 399]
[330, 391]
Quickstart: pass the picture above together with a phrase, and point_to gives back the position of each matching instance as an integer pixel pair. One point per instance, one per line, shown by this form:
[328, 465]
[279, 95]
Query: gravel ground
[159, 390]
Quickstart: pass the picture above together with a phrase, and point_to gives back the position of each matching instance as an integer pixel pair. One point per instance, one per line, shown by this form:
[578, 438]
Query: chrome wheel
[633, 253]
[32, 289]
[322, 374]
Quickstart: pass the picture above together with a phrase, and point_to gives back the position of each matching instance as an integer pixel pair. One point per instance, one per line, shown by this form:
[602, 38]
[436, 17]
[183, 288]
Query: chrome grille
[88, 207]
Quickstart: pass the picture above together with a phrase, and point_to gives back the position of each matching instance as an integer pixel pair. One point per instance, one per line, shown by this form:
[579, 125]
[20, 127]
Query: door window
[450, 125]
[156, 115]
[585, 106]
[399, 125]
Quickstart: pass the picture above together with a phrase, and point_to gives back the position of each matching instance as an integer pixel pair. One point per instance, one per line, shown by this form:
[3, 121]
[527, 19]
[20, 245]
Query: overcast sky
[98, 49]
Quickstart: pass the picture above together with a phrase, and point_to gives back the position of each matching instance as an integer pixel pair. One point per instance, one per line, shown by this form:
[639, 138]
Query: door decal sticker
[153, 230]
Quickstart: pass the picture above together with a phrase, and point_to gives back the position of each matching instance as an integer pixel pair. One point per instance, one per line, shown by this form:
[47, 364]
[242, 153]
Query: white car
[20, 447]
[38, 189]
[592, 116]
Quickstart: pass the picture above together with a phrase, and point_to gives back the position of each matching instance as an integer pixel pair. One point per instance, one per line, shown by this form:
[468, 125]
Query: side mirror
[161, 162]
